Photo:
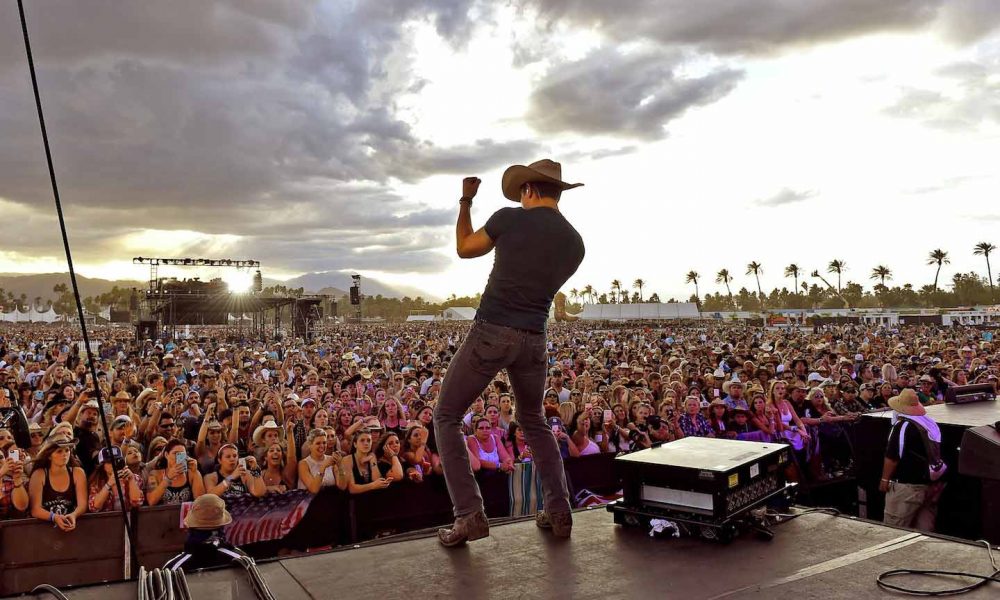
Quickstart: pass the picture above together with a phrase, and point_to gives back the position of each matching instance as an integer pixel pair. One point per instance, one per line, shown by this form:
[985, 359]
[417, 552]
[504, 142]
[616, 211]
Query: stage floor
[813, 556]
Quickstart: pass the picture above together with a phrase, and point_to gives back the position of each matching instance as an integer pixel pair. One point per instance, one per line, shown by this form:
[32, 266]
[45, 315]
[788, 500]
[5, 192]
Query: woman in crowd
[762, 416]
[579, 434]
[175, 478]
[416, 456]
[103, 492]
[493, 415]
[318, 469]
[718, 419]
[320, 419]
[488, 448]
[506, 410]
[360, 468]
[209, 440]
[517, 447]
[834, 443]
[58, 486]
[13, 483]
[235, 477]
[692, 423]
[280, 472]
[388, 449]
[792, 428]
[390, 416]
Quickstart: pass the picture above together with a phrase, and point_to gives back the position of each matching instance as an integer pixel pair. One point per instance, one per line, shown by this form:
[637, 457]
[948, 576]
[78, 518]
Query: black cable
[982, 579]
[72, 276]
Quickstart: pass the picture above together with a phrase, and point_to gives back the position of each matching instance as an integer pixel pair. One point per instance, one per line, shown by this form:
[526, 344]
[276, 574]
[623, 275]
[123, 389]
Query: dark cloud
[786, 196]
[269, 120]
[629, 95]
[764, 26]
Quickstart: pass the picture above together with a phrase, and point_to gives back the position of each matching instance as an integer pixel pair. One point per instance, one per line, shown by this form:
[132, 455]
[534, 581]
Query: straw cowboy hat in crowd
[542, 171]
[907, 403]
[208, 512]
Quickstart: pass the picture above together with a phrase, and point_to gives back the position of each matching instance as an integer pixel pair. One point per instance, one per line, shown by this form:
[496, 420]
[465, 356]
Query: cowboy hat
[258, 433]
[366, 373]
[907, 403]
[542, 171]
[208, 512]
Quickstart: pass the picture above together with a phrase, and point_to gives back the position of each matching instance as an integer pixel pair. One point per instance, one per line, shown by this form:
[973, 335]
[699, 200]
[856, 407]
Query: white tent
[29, 316]
[645, 311]
[458, 313]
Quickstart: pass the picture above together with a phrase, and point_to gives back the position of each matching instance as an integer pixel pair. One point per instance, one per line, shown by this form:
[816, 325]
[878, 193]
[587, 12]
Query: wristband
[884, 479]
[52, 517]
[465, 200]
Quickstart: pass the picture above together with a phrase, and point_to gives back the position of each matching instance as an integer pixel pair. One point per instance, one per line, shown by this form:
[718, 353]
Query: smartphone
[555, 429]
[716, 392]
[609, 416]
[243, 463]
[14, 454]
[182, 461]
[107, 408]
[39, 395]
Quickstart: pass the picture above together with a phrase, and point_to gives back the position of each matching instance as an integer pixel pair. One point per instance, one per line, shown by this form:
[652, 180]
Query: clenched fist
[470, 185]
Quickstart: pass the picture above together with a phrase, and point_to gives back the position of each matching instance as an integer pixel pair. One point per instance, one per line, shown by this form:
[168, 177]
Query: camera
[654, 421]
[634, 435]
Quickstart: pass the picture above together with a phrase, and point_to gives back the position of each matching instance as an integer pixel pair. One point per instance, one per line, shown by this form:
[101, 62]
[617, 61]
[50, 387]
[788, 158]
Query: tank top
[493, 457]
[358, 476]
[177, 495]
[590, 448]
[60, 503]
[236, 487]
[329, 479]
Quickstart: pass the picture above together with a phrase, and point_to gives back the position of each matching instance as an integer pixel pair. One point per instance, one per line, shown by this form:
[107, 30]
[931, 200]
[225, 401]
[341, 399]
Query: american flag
[262, 519]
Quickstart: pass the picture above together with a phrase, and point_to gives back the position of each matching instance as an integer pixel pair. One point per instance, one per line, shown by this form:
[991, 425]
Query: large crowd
[353, 408]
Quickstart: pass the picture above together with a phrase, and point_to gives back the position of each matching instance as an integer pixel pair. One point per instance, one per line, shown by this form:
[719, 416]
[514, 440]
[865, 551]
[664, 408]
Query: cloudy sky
[319, 136]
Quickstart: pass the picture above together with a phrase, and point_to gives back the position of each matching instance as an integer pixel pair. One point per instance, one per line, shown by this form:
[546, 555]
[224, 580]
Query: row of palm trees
[882, 273]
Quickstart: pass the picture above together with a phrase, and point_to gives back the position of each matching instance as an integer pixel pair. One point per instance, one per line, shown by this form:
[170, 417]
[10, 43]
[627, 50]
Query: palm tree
[616, 289]
[837, 266]
[574, 293]
[756, 269]
[638, 283]
[588, 290]
[984, 249]
[938, 257]
[692, 277]
[882, 273]
[723, 276]
[793, 270]
[831, 288]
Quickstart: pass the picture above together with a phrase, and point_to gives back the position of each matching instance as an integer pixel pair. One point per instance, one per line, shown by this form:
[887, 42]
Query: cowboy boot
[472, 526]
[561, 523]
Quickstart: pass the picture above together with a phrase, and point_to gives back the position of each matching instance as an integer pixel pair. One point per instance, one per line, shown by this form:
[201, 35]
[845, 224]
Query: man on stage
[537, 250]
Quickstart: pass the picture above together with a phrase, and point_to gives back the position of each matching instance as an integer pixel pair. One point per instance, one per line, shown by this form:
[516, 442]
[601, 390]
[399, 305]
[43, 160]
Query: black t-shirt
[537, 250]
[87, 448]
[913, 464]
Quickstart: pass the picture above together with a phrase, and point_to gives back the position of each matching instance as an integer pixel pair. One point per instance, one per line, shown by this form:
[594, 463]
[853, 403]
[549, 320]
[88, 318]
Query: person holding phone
[13, 482]
[235, 476]
[175, 478]
[102, 490]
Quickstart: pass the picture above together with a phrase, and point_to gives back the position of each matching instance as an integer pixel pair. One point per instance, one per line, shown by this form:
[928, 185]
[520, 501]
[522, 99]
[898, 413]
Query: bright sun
[239, 282]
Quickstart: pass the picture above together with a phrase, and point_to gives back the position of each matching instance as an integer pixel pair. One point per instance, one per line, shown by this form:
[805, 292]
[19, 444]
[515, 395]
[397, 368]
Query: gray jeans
[488, 349]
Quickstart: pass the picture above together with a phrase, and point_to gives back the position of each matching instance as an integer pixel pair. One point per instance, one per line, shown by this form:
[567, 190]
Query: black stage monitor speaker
[145, 330]
[963, 394]
[980, 453]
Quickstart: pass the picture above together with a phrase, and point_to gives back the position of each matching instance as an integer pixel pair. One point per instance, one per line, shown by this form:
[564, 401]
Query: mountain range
[334, 283]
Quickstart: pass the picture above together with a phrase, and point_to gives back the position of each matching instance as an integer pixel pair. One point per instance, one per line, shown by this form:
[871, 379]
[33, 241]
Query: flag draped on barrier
[261, 519]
